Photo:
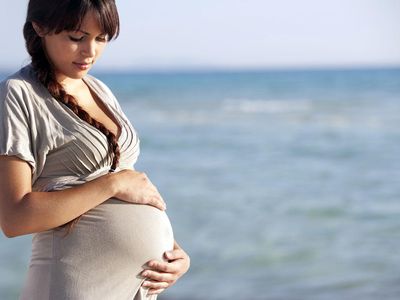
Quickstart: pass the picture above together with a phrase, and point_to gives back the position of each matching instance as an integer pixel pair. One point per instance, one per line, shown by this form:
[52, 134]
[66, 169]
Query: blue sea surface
[281, 185]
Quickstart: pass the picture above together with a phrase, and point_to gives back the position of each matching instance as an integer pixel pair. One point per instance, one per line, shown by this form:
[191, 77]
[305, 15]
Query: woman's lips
[83, 66]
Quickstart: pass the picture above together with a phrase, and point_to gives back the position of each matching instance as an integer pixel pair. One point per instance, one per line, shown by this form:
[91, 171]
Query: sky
[235, 34]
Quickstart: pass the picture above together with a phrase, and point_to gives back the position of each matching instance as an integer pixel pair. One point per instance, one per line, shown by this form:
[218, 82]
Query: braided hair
[55, 17]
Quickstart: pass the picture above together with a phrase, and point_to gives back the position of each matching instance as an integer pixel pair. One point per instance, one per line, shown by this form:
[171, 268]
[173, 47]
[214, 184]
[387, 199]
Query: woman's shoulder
[21, 82]
[23, 92]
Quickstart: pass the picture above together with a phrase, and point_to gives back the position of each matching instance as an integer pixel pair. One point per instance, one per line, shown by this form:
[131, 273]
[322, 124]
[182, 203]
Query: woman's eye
[102, 39]
[75, 39]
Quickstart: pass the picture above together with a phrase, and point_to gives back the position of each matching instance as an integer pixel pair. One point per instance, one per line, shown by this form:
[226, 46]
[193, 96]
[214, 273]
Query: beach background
[282, 179]
[280, 185]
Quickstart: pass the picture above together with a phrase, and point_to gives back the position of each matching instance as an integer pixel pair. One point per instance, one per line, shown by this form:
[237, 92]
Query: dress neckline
[96, 94]
[115, 119]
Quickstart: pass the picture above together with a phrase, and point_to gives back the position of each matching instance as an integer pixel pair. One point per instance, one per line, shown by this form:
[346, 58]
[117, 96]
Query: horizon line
[233, 69]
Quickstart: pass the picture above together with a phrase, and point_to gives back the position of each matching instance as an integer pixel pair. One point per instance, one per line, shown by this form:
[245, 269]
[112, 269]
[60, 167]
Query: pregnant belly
[102, 257]
[116, 236]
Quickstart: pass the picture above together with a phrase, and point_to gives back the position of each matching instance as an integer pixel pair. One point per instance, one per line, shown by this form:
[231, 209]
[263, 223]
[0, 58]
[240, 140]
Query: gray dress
[104, 254]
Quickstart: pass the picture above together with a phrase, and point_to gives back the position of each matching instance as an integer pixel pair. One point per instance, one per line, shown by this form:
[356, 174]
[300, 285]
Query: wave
[266, 106]
[339, 114]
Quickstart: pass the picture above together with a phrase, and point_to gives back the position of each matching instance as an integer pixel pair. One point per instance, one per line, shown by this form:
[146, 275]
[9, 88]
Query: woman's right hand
[135, 187]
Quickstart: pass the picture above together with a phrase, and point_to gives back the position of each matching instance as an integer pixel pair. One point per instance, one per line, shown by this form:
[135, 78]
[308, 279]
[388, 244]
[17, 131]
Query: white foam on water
[267, 106]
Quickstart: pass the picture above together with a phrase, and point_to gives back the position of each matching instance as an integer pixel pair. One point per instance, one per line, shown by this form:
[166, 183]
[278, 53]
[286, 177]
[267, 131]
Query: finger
[155, 285]
[163, 203]
[156, 276]
[155, 292]
[163, 267]
[157, 202]
[175, 254]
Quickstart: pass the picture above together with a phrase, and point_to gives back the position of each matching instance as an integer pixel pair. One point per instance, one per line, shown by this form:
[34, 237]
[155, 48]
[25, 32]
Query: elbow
[9, 235]
[10, 230]
[13, 222]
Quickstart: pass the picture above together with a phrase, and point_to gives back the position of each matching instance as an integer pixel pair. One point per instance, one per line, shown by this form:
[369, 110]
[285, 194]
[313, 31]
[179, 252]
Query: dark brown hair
[54, 17]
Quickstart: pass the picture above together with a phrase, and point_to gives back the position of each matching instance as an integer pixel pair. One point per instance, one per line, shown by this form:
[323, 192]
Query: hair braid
[58, 92]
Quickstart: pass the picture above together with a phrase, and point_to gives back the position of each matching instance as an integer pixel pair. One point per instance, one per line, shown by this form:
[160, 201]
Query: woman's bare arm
[23, 211]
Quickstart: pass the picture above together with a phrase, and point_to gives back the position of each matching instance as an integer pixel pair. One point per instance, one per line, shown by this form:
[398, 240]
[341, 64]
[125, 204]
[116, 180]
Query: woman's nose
[89, 49]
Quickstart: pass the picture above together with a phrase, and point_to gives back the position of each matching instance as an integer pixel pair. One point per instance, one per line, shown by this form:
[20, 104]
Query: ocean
[281, 185]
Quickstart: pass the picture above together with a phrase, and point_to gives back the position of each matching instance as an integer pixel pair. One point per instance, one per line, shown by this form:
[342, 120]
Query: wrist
[112, 183]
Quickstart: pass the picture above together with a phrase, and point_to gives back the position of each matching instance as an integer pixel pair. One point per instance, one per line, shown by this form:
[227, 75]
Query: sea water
[279, 184]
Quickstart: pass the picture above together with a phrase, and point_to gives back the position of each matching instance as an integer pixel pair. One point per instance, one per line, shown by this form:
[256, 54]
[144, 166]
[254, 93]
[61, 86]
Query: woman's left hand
[161, 275]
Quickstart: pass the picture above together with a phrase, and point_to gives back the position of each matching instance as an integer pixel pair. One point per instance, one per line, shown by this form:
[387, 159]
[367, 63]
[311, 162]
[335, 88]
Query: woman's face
[74, 52]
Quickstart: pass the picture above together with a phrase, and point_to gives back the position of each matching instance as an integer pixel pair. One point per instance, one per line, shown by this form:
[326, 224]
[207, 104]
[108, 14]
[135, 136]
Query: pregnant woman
[67, 152]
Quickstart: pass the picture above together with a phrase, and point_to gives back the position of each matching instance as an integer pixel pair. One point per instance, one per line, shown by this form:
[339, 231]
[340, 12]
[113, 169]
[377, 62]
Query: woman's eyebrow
[87, 33]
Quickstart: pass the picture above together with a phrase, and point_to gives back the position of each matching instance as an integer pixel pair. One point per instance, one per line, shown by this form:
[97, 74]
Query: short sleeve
[15, 129]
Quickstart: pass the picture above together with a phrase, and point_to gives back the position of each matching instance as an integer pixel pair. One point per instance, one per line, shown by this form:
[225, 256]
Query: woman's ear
[38, 29]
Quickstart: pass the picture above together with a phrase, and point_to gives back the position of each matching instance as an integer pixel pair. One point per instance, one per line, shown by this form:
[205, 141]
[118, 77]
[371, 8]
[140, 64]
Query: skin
[161, 275]
[23, 211]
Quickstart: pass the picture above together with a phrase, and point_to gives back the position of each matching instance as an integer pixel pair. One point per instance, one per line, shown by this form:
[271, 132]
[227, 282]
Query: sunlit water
[280, 185]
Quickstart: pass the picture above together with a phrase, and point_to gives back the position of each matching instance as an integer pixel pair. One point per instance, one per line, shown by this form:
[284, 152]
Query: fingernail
[145, 274]
[145, 283]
